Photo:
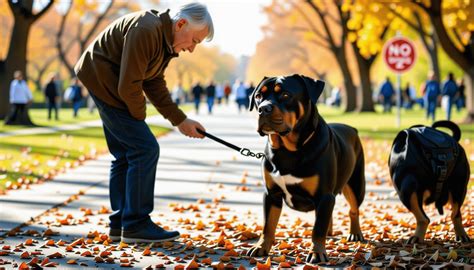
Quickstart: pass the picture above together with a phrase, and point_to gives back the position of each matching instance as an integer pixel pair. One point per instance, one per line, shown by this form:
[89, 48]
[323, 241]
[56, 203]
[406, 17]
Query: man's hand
[188, 127]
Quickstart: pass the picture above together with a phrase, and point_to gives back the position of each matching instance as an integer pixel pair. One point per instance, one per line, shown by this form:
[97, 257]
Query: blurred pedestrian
[461, 97]
[219, 93]
[409, 96]
[178, 94]
[386, 95]
[52, 95]
[20, 97]
[211, 95]
[249, 92]
[449, 92]
[76, 97]
[197, 92]
[431, 96]
[227, 92]
[240, 95]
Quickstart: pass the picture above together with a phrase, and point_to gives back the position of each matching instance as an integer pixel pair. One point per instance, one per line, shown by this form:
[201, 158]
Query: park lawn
[379, 126]
[40, 117]
[32, 158]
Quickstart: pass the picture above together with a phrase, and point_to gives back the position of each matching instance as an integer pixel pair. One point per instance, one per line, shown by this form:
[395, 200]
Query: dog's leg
[320, 229]
[355, 233]
[456, 217]
[422, 221]
[271, 216]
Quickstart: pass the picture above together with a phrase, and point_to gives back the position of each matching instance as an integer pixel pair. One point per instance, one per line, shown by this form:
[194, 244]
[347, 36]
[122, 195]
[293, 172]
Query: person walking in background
[431, 95]
[20, 97]
[240, 95]
[461, 96]
[211, 95]
[409, 96]
[121, 68]
[178, 94]
[197, 92]
[449, 92]
[386, 94]
[219, 93]
[52, 95]
[76, 97]
[249, 92]
[227, 92]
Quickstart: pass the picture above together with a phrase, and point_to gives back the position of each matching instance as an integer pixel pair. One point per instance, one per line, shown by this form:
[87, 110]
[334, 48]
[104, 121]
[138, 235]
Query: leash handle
[243, 151]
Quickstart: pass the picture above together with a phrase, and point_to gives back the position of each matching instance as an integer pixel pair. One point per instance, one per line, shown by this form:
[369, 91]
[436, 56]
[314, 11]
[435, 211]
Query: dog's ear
[252, 96]
[313, 87]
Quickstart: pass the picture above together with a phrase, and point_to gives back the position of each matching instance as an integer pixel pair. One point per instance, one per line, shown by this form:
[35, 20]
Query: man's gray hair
[198, 16]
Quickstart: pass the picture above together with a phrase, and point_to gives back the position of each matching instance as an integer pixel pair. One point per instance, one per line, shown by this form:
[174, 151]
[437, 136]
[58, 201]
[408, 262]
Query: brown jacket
[128, 58]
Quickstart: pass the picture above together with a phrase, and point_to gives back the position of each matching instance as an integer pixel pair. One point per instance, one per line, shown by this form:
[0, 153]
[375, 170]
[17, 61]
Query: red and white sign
[399, 54]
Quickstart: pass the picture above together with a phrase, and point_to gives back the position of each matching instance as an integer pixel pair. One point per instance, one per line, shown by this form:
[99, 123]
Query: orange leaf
[71, 262]
[192, 265]
[25, 255]
[146, 252]
[231, 253]
[23, 265]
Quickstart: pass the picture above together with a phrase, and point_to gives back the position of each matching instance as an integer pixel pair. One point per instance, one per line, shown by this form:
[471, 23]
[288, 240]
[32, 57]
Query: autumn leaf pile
[217, 234]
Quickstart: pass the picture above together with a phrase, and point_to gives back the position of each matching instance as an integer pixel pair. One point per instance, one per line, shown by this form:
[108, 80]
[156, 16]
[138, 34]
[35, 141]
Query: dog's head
[285, 102]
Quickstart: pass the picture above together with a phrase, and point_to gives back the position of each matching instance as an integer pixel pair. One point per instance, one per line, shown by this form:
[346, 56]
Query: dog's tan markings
[290, 140]
[456, 218]
[426, 195]
[310, 184]
[355, 231]
[302, 112]
[264, 89]
[277, 88]
[421, 221]
[274, 141]
[268, 179]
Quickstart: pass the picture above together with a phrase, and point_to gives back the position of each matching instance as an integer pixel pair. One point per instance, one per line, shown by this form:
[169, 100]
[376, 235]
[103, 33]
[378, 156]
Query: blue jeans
[76, 105]
[132, 174]
[430, 106]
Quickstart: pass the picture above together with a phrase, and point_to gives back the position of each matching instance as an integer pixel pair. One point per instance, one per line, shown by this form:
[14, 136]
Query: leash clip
[246, 152]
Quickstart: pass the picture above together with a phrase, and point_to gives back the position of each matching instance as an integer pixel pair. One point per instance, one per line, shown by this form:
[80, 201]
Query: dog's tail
[451, 126]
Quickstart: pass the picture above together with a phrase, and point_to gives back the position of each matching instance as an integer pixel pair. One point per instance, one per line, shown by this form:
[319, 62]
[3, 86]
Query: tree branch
[309, 22]
[96, 24]
[329, 37]
[43, 11]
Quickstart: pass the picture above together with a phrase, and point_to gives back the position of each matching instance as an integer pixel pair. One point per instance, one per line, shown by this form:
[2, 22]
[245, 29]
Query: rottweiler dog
[307, 161]
[430, 166]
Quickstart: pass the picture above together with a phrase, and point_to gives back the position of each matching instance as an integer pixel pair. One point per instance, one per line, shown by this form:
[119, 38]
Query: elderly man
[125, 63]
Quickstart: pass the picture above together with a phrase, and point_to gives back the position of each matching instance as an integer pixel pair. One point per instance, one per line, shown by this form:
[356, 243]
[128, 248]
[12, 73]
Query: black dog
[426, 166]
[308, 162]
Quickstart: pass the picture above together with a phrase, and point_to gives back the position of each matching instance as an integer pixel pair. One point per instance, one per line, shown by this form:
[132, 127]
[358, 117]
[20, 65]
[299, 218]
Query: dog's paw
[463, 239]
[414, 240]
[258, 251]
[355, 237]
[317, 257]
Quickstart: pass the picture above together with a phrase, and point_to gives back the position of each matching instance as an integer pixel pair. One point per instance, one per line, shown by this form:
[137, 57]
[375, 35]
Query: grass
[34, 158]
[40, 118]
[383, 126]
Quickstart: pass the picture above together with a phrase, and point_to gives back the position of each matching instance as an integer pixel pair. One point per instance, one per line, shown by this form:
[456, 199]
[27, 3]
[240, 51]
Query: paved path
[189, 170]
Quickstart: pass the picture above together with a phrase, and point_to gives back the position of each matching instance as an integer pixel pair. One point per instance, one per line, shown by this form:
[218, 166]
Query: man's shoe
[151, 233]
[115, 234]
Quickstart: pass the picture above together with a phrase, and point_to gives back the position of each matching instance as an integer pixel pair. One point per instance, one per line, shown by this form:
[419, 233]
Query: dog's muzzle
[265, 109]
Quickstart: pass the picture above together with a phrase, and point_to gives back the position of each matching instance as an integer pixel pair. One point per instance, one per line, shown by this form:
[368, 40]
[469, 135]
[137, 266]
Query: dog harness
[440, 149]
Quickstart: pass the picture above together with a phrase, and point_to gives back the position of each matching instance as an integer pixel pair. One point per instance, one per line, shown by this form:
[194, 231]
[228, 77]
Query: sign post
[399, 55]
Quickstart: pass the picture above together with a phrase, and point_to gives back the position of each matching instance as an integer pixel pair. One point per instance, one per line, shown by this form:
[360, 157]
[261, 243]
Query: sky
[237, 23]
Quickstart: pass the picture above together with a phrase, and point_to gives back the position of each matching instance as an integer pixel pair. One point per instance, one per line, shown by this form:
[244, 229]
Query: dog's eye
[258, 96]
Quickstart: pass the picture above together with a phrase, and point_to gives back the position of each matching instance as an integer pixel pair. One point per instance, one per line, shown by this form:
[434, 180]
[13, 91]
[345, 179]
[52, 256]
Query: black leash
[244, 151]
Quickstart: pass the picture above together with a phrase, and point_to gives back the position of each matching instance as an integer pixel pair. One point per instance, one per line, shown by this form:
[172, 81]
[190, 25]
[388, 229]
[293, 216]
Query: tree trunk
[364, 100]
[16, 56]
[16, 60]
[348, 94]
[469, 82]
